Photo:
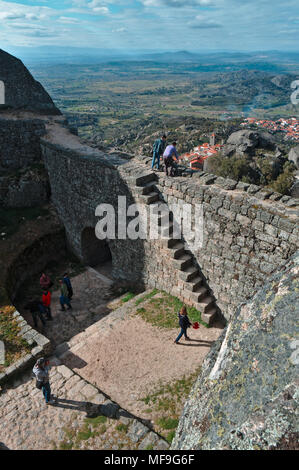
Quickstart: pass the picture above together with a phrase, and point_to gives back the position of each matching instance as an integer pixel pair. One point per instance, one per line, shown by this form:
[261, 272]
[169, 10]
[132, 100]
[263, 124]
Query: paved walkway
[91, 294]
[82, 418]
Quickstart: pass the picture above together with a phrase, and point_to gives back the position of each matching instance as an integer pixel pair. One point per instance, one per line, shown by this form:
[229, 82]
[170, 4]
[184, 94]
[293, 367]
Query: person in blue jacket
[68, 284]
[184, 323]
[158, 150]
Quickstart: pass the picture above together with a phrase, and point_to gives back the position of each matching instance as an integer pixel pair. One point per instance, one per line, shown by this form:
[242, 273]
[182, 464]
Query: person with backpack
[41, 372]
[68, 284]
[64, 299]
[169, 155]
[184, 323]
[46, 301]
[158, 149]
[36, 309]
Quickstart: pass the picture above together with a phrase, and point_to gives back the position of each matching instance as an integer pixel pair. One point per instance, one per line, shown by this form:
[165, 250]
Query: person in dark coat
[68, 284]
[158, 149]
[184, 323]
[36, 309]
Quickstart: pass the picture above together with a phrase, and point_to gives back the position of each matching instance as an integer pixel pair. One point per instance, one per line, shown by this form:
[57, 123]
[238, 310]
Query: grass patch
[161, 310]
[147, 296]
[122, 427]
[15, 345]
[94, 422]
[170, 436]
[168, 423]
[166, 404]
[129, 296]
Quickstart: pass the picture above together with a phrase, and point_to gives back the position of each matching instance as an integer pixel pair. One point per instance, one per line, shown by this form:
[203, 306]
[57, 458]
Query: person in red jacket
[46, 300]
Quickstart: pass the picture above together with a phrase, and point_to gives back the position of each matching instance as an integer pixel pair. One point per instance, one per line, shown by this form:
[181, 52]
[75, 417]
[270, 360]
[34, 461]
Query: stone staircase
[190, 289]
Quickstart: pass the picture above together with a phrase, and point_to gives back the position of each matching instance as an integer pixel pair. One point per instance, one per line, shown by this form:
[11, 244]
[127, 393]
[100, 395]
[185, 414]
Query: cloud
[201, 22]
[119, 30]
[176, 3]
[97, 7]
[68, 20]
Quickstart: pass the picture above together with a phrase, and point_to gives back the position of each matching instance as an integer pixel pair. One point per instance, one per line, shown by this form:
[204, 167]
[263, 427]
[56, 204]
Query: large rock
[21, 91]
[247, 394]
[294, 156]
[245, 141]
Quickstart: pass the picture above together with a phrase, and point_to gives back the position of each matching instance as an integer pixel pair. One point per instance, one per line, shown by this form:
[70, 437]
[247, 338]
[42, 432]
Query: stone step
[200, 294]
[146, 189]
[169, 242]
[209, 316]
[145, 178]
[177, 250]
[183, 262]
[188, 274]
[205, 305]
[149, 198]
[193, 284]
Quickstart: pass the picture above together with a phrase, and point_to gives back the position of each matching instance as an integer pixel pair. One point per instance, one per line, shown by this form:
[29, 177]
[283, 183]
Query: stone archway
[2, 92]
[94, 251]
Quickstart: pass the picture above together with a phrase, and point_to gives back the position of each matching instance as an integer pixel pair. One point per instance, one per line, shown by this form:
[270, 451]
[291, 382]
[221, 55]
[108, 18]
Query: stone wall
[248, 233]
[20, 142]
[246, 397]
[23, 179]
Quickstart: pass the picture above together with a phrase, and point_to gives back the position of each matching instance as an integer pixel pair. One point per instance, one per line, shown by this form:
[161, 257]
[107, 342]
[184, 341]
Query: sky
[194, 25]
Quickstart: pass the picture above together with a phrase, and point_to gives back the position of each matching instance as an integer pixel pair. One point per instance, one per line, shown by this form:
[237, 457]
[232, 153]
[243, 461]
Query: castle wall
[23, 180]
[246, 236]
[20, 142]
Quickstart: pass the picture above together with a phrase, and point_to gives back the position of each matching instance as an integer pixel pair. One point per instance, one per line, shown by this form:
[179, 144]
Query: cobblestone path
[82, 418]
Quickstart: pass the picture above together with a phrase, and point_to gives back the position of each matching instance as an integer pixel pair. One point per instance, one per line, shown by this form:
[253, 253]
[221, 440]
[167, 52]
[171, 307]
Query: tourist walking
[158, 149]
[68, 284]
[169, 155]
[184, 323]
[46, 301]
[41, 372]
[64, 299]
[36, 309]
[45, 282]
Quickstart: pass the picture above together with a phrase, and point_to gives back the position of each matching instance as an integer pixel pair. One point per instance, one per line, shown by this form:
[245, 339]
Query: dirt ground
[130, 358]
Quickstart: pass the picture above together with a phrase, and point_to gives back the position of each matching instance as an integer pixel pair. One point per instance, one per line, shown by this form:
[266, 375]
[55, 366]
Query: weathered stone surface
[247, 394]
[21, 90]
[137, 431]
[294, 156]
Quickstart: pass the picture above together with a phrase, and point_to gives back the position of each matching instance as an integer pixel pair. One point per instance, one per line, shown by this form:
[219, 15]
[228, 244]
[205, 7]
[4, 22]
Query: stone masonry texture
[246, 396]
[246, 238]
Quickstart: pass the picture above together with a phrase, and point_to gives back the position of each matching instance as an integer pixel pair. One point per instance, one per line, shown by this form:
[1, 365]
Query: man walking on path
[41, 371]
[158, 149]
[68, 284]
[46, 300]
[64, 299]
[36, 308]
[169, 154]
[184, 324]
